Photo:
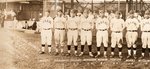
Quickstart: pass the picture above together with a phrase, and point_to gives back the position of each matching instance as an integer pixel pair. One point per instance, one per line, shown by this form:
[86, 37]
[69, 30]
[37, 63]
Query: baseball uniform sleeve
[96, 23]
[137, 23]
[107, 23]
[123, 24]
[126, 23]
[54, 22]
[111, 23]
[142, 24]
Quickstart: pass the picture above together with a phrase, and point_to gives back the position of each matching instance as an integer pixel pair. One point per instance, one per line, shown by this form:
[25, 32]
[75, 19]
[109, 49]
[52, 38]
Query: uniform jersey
[72, 22]
[132, 24]
[46, 23]
[102, 23]
[145, 25]
[117, 24]
[59, 22]
[86, 23]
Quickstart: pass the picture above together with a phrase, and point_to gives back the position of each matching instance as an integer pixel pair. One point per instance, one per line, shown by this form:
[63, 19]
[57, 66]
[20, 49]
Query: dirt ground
[20, 51]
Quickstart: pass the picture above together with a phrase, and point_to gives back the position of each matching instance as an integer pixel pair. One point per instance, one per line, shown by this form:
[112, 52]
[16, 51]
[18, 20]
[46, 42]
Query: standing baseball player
[145, 28]
[132, 24]
[102, 25]
[46, 31]
[86, 32]
[116, 26]
[59, 33]
[72, 32]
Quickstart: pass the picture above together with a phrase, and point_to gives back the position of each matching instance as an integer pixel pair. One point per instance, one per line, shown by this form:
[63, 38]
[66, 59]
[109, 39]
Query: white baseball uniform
[116, 26]
[46, 30]
[132, 25]
[72, 34]
[145, 28]
[60, 26]
[102, 25]
[86, 27]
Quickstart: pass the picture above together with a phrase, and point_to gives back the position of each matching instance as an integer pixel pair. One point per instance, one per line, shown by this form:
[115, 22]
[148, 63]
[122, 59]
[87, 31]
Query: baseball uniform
[72, 33]
[116, 26]
[102, 25]
[132, 24]
[86, 25]
[59, 33]
[46, 31]
[145, 28]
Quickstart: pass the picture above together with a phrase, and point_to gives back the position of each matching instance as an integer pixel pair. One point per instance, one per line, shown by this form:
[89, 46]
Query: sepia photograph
[74, 34]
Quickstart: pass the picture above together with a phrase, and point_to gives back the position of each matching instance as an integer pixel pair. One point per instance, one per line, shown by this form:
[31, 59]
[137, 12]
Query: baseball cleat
[91, 55]
[120, 56]
[129, 56]
[81, 54]
[68, 54]
[42, 52]
[56, 53]
[112, 56]
[105, 56]
[98, 55]
[141, 57]
[75, 54]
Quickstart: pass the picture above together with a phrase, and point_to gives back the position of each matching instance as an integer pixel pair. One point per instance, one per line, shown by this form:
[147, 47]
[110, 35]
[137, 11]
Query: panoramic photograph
[74, 34]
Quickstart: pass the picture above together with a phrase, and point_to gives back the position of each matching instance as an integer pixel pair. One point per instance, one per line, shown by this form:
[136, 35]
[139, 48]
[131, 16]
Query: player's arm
[52, 24]
[141, 24]
[64, 22]
[79, 26]
[92, 23]
[126, 23]
[123, 24]
[96, 24]
[111, 24]
[79, 23]
[137, 24]
[67, 24]
[107, 21]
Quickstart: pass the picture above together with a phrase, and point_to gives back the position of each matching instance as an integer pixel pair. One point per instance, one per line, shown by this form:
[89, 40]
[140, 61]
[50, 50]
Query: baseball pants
[59, 37]
[102, 37]
[145, 39]
[131, 37]
[46, 37]
[115, 39]
[86, 36]
[72, 36]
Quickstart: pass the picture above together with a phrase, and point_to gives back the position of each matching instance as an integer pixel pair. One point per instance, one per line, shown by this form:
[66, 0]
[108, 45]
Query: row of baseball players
[83, 25]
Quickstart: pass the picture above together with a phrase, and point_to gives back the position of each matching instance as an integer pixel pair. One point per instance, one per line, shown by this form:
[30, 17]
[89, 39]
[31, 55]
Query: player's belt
[86, 29]
[132, 30]
[60, 28]
[146, 31]
[102, 29]
[117, 31]
[48, 29]
[73, 28]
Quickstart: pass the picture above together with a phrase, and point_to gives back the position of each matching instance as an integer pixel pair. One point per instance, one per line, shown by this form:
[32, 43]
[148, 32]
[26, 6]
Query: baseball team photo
[75, 34]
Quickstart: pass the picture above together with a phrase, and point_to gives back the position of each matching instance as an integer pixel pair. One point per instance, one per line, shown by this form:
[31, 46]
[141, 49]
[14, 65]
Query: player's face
[72, 14]
[46, 14]
[117, 16]
[132, 16]
[146, 16]
[59, 13]
[100, 14]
